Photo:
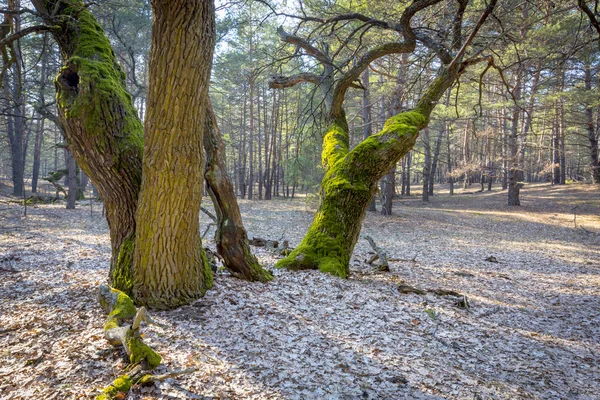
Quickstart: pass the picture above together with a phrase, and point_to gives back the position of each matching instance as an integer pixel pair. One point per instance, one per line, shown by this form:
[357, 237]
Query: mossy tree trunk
[231, 237]
[170, 266]
[107, 138]
[101, 124]
[350, 182]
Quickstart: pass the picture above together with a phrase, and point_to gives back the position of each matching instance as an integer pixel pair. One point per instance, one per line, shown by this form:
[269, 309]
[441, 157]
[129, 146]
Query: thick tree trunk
[170, 266]
[101, 124]
[351, 180]
[231, 237]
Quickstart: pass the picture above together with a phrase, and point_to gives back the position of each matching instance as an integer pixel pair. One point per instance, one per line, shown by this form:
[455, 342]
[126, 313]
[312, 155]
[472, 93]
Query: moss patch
[122, 278]
[141, 351]
[120, 385]
[122, 308]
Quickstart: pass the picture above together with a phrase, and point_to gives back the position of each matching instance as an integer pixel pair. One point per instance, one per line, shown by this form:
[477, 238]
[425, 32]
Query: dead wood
[260, 242]
[381, 255]
[120, 308]
[136, 376]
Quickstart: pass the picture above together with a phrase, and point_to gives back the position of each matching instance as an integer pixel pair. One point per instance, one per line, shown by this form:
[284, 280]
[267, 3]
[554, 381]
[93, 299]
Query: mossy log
[136, 376]
[120, 308]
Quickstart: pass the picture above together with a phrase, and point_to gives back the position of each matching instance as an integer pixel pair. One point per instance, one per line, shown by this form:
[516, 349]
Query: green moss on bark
[122, 308]
[346, 191]
[122, 278]
[140, 351]
[120, 385]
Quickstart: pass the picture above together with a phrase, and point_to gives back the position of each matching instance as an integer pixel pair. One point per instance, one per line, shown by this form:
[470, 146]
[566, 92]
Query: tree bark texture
[170, 266]
[231, 237]
[101, 125]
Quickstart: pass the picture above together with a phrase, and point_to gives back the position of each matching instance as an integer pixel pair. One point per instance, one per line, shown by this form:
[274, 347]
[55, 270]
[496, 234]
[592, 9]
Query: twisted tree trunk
[101, 125]
[351, 181]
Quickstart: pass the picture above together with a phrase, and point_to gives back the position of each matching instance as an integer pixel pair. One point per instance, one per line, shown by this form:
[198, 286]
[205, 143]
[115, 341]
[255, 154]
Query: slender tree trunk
[434, 162]
[259, 147]
[516, 166]
[37, 152]
[231, 236]
[39, 135]
[170, 266]
[426, 165]
[251, 139]
[408, 179]
[556, 148]
[591, 129]
[367, 118]
[71, 180]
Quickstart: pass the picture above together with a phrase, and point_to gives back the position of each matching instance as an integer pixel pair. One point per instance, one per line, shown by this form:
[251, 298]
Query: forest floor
[532, 330]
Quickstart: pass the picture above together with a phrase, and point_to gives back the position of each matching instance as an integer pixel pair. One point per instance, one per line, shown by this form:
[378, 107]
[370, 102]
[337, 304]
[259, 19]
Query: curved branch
[304, 44]
[435, 46]
[24, 32]
[282, 82]
[457, 24]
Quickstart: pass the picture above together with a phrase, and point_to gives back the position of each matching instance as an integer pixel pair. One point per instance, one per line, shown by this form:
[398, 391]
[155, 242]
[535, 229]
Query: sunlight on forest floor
[532, 330]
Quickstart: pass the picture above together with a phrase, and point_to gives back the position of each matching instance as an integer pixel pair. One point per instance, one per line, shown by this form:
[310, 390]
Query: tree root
[136, 376]
[119, 308]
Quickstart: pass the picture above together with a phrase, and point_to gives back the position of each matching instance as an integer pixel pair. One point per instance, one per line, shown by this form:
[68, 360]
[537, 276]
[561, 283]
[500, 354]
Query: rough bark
[101, 124]
[170, 266]
[231, 237]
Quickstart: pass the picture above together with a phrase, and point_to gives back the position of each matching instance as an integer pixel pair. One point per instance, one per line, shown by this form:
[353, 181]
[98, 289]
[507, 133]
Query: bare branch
[304, 44]
[24, 32]
[281, 82]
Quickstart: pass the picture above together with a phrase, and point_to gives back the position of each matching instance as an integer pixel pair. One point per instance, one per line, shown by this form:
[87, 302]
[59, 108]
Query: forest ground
[533, 329]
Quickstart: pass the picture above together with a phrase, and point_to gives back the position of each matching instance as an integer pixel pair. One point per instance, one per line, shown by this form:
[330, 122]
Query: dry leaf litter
[532, 330]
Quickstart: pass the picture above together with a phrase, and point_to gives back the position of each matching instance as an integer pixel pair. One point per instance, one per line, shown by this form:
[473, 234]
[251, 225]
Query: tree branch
[24, 32]
[282, 82]
[304, 44]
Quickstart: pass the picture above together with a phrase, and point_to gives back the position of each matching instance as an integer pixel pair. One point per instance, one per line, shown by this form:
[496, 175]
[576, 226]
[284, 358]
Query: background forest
[541, 113]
